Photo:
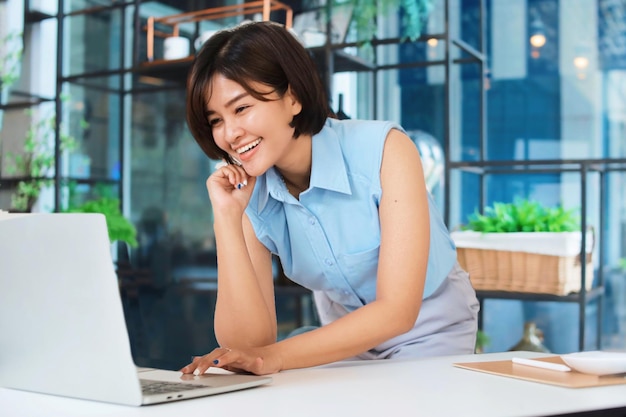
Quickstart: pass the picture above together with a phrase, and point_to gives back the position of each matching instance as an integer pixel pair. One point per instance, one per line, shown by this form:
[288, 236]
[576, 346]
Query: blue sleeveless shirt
[329, 240]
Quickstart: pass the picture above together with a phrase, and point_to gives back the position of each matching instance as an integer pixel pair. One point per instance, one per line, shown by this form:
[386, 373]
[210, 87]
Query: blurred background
[504, 98]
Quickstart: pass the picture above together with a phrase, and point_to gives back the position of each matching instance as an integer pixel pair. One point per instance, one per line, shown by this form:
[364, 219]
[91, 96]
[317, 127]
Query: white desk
[427, 387]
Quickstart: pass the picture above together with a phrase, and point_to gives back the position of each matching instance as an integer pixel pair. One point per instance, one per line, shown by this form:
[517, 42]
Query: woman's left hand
[258, 361]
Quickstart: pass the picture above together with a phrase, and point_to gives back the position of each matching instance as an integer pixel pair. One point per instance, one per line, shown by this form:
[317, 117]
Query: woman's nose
[233, 131]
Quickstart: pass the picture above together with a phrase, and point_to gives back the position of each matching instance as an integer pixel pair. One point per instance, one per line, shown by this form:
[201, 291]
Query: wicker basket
[494, 270]
[522, 271]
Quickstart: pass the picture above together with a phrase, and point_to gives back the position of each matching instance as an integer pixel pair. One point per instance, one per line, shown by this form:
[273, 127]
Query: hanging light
[581, 62]
[537, 33]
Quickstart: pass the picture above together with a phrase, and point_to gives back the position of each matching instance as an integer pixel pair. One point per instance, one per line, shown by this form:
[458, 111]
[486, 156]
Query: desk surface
[428, 387]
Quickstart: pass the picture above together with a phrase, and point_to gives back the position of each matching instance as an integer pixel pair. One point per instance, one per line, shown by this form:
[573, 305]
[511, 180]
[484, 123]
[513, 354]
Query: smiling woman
[300, 71]
[342, 203]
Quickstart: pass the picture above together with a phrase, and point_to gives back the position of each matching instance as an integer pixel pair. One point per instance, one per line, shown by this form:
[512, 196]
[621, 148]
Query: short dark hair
[261, 52]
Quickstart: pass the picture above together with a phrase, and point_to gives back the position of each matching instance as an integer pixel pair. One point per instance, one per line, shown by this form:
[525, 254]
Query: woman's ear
[293, 102]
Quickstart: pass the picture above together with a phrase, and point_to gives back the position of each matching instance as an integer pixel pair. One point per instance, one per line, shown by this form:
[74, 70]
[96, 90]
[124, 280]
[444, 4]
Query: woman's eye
[213, 122]
[240, 109]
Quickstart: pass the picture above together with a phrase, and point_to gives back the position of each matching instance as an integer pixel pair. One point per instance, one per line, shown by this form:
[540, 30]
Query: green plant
[622, 264]
[10, 66]
[482, 341]
[523, 216]
[11, 59]
[119, 227]
[37, 159]
[366, 12]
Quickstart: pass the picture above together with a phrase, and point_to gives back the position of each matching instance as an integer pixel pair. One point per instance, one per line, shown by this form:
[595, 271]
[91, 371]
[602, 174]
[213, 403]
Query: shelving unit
[173, 22]
[484, 168]
[175, 70]
[582, 167]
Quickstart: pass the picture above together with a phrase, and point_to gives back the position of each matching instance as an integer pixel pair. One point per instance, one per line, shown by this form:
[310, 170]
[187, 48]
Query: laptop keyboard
[149, 386]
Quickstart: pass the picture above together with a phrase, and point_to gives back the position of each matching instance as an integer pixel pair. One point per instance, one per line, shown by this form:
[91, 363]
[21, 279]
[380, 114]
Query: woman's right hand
[230, 188]
[258, 361]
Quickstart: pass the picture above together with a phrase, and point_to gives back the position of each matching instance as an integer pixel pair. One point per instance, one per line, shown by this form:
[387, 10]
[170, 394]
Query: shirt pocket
[361, 269]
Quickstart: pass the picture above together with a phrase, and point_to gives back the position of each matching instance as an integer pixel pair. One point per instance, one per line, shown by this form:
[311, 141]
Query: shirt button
[311, 221]
[328, 262]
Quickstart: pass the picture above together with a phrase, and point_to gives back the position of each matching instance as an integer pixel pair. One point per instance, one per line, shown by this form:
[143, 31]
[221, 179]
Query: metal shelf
[342, 61]
[263, 7]
[582, 167]
[174, 70]
[591, 295]
[602, 166]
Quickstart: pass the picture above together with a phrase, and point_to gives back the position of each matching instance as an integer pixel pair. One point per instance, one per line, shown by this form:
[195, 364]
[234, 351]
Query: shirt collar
[328, 169]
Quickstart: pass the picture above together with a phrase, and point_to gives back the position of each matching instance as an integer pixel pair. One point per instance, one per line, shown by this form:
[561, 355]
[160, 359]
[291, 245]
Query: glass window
[168, 171]
[92, 42]
[92, 120]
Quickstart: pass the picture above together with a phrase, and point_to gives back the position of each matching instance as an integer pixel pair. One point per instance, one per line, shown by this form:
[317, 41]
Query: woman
[342, 203]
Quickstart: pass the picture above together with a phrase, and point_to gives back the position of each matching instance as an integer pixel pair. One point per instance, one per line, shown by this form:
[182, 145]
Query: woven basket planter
[543, 262]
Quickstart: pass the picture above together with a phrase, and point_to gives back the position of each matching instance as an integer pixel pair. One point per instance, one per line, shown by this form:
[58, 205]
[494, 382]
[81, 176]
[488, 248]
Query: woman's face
[254, 132]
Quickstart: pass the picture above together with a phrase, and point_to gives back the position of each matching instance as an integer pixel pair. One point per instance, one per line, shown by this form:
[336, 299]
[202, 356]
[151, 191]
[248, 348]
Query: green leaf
[118, 226]
[366, 12]
[523, 216]
[37, 158]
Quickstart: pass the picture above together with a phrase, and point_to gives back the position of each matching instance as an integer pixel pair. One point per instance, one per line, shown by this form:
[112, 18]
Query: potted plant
[482, 341]
[524, 247]
[363, 16]
[523, 216]
[119, 227]
[415, 13]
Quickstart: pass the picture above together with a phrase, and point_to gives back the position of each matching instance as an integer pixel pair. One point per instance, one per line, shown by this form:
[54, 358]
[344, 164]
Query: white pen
[542, 364]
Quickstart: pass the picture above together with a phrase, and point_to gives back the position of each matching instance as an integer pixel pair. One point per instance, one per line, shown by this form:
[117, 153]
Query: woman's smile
[247, 152]
[248, 147]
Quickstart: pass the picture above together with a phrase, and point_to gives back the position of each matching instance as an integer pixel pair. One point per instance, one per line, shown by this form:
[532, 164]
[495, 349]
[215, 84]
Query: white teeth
[248, 146]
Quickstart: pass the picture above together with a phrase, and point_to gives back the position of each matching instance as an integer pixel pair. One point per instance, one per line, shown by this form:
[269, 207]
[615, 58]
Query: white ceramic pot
[175, 47]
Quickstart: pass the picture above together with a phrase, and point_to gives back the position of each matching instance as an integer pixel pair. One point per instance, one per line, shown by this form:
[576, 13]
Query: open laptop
[62, 328]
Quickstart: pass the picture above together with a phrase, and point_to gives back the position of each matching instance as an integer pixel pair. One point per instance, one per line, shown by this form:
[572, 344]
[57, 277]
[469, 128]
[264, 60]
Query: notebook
[62, 328]
[571, 379]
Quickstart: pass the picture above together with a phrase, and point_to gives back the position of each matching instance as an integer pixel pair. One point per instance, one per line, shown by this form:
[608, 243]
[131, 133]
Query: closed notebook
[572, 379]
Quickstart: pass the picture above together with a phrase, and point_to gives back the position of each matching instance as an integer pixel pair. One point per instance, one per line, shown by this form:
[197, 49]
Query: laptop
[62, 328]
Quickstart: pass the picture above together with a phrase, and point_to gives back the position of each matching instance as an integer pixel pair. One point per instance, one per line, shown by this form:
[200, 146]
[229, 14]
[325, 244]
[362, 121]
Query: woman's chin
[250, 168]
